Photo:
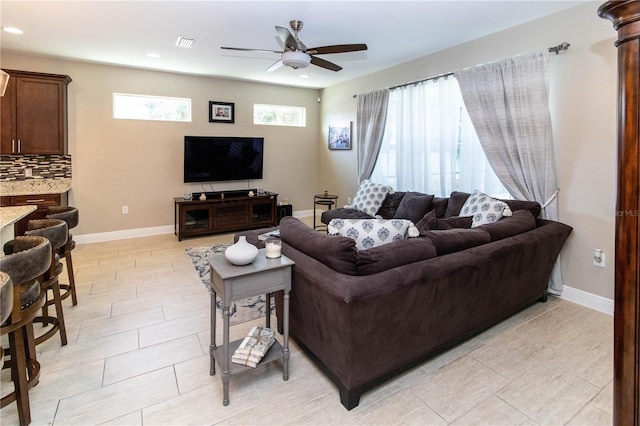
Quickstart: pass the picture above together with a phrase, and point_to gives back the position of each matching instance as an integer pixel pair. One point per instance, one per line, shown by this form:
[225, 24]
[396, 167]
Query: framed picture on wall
[221, 112]
[340, 135]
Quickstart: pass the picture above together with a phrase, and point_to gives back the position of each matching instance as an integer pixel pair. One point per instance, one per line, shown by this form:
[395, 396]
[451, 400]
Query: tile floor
[138, 355]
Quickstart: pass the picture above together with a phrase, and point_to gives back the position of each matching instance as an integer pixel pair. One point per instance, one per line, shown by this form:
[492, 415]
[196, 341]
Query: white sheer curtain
[430, 145]
[508, 102]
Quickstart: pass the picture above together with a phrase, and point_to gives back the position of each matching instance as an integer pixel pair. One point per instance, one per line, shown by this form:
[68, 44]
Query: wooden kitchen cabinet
[34, 114]
[41, 201]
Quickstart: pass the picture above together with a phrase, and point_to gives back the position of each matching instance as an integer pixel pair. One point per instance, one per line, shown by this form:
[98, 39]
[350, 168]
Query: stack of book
[254, 346]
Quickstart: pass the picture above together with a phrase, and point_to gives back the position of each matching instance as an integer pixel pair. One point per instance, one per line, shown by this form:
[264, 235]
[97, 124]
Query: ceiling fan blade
[275, 65]
[338, 48]
[287, 38]
[242, 49]
[323, 63]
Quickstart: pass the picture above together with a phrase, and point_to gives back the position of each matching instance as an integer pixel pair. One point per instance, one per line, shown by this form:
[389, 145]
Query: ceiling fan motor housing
[296, 60]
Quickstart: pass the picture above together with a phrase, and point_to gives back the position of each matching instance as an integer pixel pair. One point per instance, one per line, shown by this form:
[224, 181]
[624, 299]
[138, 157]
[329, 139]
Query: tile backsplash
[13, 167]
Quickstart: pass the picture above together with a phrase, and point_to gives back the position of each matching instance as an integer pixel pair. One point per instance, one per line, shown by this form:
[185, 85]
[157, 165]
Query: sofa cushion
[440, 205]
[521, 221]
[342, 213]
[414, 206]
[532, 206]
[430, 222]
[390, 205]
[484, 209]
[456, 239]
[394, 254]
[452, 222]
[338, 253]
[370, 196]
[368, 233]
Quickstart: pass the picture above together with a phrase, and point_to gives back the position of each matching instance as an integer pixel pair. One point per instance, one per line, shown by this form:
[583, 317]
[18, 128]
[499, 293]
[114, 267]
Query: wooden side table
[232, 283]
[328, 200]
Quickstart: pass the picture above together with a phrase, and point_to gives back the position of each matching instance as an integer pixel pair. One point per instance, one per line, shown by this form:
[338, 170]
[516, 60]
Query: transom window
[279, 115]
[146, 107]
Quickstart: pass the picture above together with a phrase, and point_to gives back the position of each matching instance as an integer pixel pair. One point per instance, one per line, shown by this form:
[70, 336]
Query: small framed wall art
[221, 112]
[340, 135]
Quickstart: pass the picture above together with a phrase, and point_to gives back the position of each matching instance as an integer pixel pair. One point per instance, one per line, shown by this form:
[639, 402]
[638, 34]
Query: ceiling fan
[296, 55]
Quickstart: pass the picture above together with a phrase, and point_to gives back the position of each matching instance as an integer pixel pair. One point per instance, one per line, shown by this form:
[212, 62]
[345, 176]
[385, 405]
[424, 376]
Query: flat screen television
[222, 158]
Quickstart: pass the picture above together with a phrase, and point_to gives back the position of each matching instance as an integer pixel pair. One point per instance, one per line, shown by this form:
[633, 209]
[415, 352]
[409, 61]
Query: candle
[273, 249]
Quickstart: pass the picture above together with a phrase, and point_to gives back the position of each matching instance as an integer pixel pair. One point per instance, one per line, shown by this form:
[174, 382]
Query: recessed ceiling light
[153, 55]
[304, 76]
[185, 41]
[12, 30]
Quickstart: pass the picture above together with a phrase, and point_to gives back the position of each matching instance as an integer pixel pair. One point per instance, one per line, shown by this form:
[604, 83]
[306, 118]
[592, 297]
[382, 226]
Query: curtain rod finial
[562, 46]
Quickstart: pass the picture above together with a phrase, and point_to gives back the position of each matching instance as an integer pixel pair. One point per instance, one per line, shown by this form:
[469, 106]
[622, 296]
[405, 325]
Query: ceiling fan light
[296, 60]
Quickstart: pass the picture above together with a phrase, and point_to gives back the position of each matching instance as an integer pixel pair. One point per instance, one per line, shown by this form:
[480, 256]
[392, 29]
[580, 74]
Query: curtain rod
[554, 49]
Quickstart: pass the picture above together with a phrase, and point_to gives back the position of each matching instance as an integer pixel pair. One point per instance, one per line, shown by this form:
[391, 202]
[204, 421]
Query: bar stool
[55, 230]
[71, 216]
[6, 302]
[26, 259]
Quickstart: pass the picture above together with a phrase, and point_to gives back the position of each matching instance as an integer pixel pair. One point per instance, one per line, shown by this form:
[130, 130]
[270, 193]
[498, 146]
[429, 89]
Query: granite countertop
[10, 215]
[35, 186]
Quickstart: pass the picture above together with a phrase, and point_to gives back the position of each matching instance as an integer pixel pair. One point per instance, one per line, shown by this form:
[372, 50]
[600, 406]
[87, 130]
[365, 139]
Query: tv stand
[223, 211]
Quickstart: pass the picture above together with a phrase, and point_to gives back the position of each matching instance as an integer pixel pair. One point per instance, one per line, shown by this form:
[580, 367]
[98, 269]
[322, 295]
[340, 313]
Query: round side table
[328, 200]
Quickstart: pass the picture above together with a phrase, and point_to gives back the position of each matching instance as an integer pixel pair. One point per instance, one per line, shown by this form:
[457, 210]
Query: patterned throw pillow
[369, 233]
[370, 196]
[484, 209]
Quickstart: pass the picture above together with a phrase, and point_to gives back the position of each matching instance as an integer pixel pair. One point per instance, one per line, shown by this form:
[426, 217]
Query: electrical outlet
[28, 172]
[125, 209]
[598, 258]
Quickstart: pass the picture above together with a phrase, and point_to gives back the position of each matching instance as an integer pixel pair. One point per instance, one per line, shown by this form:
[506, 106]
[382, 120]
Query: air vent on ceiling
[185, 41]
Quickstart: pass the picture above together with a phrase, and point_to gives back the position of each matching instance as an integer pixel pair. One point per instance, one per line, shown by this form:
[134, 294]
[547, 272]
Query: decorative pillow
[484, 209]
[368, 233]
[370, 196]
[413, 206]
[390, 205]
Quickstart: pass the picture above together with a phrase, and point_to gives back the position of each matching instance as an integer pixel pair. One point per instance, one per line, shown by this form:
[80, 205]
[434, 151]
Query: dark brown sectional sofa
[366, 316]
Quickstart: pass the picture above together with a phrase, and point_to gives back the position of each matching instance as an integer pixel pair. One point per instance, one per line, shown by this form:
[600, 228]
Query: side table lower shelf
[275, 353]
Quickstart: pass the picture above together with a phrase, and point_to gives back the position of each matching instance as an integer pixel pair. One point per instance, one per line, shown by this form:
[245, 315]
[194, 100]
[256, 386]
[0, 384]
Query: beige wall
[139, 163]
[583, 108]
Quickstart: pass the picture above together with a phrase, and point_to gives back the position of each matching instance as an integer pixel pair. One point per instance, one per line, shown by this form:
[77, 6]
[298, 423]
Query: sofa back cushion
[521, 221]
[430, 222]
[336, 252]
[414, 206]
[457, 239]
[394, 254]
[439, 205]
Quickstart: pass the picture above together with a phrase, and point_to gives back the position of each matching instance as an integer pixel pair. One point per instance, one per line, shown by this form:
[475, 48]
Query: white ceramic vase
[241, 253]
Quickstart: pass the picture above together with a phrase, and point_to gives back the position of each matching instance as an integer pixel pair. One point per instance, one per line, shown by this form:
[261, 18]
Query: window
[279, 115]
[430, 145]
[145, 107]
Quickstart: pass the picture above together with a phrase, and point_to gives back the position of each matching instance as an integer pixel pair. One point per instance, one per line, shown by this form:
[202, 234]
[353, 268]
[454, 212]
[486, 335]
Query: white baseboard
[122, 235]
[590, 300]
